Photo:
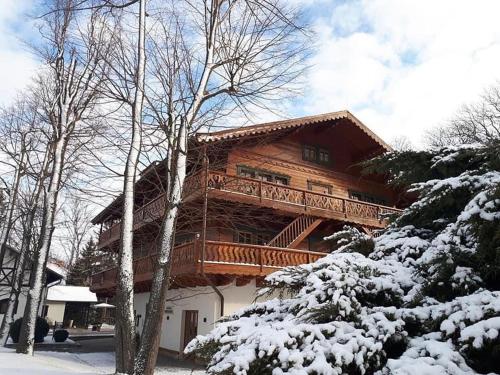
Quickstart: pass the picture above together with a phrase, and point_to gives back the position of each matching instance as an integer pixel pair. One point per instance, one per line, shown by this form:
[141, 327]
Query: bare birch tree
[477, 122]
[76, 227]
[15, 144]
[210, 58]
[30, 210]
[126, 86]
[125, 327]
[21, 140]
[68, 89]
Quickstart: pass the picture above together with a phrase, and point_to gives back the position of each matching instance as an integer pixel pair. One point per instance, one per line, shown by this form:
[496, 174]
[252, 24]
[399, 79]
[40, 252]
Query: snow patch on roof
[56, 268]
[69, 293]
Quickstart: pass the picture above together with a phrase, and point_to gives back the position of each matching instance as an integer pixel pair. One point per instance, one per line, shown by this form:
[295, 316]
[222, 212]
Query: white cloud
[16, 63]
[404, 66]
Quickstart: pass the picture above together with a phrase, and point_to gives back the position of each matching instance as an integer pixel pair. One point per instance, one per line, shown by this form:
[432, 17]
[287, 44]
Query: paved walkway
[107, 344]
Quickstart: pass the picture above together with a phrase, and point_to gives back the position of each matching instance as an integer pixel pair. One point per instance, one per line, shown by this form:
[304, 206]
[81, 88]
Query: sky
[401, 66]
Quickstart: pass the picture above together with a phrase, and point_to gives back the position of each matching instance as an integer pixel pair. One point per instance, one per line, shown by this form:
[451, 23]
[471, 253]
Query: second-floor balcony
[218, 258]
[233, 188]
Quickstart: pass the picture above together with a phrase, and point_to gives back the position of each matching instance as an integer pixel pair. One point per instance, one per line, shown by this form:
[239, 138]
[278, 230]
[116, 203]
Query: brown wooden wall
[285, 157]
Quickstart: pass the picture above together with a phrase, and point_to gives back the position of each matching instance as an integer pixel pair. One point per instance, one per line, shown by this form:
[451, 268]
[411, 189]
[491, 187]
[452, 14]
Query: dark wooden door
[190, 325]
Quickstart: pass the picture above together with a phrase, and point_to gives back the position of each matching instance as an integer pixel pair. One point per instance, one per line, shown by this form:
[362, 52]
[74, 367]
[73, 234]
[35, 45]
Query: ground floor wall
[201, 304]
[21, 302]
[55, 311]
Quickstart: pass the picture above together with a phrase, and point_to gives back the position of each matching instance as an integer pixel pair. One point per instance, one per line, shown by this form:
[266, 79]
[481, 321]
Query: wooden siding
[286, 158]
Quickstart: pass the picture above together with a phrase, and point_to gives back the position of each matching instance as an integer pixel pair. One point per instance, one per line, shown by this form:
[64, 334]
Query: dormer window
[316, 154]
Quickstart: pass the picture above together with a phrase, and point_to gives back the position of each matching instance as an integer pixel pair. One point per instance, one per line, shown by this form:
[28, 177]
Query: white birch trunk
[125, 333]
[148, 351]
[26, 340]
[18, 277]
[7, 224]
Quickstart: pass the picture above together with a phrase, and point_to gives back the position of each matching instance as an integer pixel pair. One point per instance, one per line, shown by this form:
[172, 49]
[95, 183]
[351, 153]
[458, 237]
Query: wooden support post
[260, 259]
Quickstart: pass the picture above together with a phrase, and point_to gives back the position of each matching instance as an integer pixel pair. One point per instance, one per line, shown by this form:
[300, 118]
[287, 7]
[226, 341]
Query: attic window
[316, 154]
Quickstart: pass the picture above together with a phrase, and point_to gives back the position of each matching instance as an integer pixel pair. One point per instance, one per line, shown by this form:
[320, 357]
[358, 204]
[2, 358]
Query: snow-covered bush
[41, 329]
[422, 298]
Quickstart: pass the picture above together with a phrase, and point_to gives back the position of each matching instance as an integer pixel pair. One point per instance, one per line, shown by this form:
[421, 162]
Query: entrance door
[190, 325]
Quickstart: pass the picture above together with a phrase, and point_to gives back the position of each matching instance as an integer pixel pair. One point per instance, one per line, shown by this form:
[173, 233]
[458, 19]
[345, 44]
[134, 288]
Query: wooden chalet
[256, 199]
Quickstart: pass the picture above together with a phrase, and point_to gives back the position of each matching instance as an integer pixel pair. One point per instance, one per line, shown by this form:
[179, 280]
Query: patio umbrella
[103, 305]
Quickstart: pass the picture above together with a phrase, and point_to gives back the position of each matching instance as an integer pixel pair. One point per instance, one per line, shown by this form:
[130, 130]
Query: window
[4, 303]
[244, 237]
[323, 156]
[251, 238]
[246, 172]
[267, 176]
[319, 187]
[309, 153]
[316, 155]
[281, 180]
[366, 197]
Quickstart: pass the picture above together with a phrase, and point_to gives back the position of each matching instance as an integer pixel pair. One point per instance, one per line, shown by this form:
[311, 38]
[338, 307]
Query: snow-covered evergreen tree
[422, 298]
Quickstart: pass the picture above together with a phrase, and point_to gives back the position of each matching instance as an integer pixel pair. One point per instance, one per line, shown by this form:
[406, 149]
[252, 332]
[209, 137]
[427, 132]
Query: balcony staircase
[295, 232]
[372, 232]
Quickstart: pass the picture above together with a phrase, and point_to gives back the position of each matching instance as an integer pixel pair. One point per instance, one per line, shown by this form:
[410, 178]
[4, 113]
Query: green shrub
[60, 335]
[41, 329]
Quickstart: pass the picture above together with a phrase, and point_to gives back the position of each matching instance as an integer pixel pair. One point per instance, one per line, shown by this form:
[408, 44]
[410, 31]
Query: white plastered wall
[202, 299]
[55, 312]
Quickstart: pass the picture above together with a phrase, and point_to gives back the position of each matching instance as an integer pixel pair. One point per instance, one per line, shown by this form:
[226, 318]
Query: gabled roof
[288, 124]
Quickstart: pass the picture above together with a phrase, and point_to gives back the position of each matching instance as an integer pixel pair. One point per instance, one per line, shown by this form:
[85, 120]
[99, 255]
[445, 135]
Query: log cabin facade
[256, 199]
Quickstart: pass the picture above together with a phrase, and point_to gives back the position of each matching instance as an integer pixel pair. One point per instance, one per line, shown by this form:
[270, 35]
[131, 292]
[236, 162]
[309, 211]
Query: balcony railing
[220, 258]
[265, 193]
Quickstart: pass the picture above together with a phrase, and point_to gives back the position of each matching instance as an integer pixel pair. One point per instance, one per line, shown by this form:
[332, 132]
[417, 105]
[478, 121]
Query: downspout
[204, 232]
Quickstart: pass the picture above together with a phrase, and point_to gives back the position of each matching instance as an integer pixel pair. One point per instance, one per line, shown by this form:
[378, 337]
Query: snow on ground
[62, 363]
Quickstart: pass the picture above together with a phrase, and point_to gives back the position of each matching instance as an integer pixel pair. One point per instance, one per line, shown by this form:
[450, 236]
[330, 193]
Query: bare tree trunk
[148, 352]
[125, 320]
[18, 277]
[5, 230]
[26, 340]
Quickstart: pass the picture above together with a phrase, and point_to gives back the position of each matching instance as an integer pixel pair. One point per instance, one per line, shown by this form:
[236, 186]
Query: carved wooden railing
[256, 255]
[186, 260]
[151, 211]
[264, 191]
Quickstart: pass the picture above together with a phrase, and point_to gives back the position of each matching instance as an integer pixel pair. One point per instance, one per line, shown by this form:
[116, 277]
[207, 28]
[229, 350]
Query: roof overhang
[270, 127]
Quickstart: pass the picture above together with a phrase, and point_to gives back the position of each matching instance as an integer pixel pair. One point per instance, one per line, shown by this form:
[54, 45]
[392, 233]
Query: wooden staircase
[372, 232]
[295, 232]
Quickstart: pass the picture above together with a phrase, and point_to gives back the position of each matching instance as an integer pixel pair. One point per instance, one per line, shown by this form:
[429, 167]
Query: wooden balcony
[251, 191]
[221, 258]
